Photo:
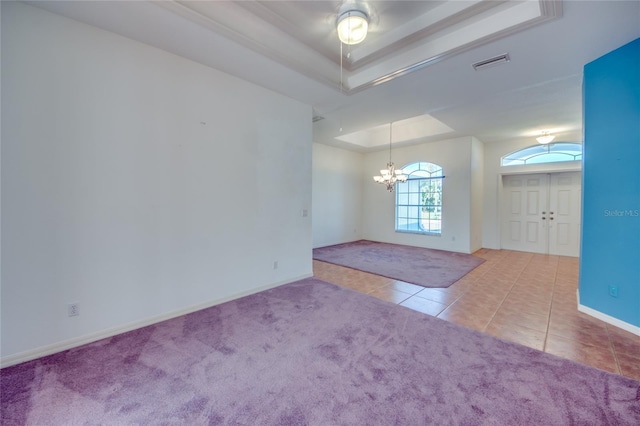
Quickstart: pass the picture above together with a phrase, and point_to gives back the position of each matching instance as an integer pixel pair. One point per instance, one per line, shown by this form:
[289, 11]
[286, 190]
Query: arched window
[551, 153]
[419, 199]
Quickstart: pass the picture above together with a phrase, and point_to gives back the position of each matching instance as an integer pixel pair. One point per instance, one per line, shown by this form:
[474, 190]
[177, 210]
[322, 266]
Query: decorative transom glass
[538, 154]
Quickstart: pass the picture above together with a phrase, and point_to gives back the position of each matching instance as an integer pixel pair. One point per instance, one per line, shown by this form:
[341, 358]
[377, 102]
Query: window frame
[411, 199]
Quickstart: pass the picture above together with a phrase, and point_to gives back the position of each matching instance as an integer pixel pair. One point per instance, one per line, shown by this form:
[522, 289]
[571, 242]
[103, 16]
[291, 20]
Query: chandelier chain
[390, 176]
[390, 139]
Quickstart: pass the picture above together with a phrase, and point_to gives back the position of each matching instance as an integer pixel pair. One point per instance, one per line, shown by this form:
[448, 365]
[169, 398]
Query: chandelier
[390, 175]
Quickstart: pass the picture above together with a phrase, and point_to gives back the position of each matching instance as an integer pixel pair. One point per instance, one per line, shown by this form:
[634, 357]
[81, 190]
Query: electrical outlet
[73, 309]
[613, 290]
[275, 264]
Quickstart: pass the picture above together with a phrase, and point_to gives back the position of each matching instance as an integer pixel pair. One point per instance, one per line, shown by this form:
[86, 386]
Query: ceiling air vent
[491, 61]
[317, 118]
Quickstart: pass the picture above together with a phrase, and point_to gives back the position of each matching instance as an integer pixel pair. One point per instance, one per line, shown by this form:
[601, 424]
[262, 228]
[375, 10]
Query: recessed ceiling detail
[302, 34]
[405, 131]
[292, 48]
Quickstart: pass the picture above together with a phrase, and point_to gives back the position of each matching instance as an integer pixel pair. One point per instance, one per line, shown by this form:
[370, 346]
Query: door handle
[543, 218]
[550, 218]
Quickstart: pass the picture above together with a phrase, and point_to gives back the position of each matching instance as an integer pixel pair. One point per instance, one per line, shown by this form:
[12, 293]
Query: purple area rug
[311, 353]
[421, 266]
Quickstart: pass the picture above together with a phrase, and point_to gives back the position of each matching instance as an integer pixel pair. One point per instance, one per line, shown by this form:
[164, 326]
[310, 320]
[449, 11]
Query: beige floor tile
[437, 295]
[629, 365]
[518, 334]
[390, 295]
[594, 356]
[623, 341]
[520, 297]
[580, 330]
[506, 316]
[425, 306]
[405, 287]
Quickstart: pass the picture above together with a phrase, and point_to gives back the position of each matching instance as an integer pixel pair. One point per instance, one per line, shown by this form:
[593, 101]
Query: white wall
[137, 183]
[472, 193]
[454, 155]
[477, 193]
[493, 172]
[337, 195]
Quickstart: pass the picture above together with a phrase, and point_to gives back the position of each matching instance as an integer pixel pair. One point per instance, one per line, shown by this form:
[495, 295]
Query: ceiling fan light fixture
[352, 26]
[545, 138]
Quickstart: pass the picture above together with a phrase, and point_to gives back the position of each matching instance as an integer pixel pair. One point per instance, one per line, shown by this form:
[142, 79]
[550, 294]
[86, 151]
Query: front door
[541, 213]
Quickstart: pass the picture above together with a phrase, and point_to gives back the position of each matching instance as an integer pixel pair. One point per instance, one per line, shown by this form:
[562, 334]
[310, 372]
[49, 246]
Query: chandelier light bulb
[545, 138]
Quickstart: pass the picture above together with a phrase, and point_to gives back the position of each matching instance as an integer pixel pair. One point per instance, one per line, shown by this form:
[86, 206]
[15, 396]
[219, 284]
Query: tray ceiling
[414, 69]
[404, 36]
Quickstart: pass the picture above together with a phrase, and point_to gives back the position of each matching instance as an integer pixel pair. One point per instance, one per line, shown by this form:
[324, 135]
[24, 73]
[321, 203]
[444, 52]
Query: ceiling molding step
[295, 54]
[463, 12]
[523, 12]
[267, 13]
[256, 26]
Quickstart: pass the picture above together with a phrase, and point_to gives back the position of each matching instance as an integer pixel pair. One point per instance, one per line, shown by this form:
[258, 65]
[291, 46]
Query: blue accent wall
[610, 252]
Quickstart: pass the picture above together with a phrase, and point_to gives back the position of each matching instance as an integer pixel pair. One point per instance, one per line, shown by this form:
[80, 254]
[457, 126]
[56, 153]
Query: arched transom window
[551, 153]
[419, 199]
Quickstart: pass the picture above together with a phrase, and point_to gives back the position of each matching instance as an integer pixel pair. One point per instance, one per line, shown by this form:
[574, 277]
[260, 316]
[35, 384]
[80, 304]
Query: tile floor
[521, 297]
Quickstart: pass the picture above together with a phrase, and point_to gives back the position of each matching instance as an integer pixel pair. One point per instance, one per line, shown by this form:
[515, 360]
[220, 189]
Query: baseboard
[608, 319]
[93, 337]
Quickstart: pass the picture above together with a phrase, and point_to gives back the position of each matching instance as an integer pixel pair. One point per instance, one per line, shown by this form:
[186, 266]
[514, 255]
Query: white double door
[541, 213]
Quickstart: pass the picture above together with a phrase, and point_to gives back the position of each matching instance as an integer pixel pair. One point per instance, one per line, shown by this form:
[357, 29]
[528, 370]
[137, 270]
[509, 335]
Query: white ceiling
[414, 66]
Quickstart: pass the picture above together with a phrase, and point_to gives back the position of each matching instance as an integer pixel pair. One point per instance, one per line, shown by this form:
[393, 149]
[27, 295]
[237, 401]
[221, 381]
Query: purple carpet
[311, 353]
[421, 266]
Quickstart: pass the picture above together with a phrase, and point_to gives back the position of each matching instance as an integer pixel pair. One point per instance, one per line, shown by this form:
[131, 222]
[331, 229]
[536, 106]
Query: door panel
[533, 232]
[515, 202]
[522, 224]
[541, 213]
[565, 202]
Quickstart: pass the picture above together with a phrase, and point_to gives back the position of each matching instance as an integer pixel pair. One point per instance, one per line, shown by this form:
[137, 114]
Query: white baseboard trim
[93, 337]
[608, 319]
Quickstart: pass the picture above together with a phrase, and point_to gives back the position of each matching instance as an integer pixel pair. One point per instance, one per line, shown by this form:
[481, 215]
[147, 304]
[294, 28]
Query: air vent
[497, 60]
[317, 118]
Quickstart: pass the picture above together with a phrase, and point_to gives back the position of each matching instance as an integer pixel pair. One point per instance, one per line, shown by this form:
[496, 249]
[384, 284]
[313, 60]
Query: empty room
[320, 212]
